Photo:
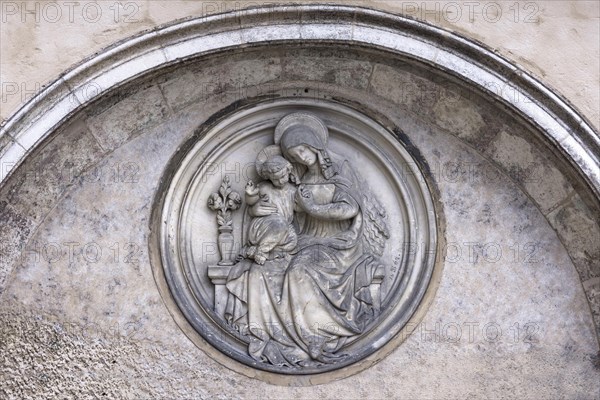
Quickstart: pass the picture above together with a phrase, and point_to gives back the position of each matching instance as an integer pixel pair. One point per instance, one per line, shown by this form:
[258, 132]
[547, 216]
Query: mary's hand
[304, 198]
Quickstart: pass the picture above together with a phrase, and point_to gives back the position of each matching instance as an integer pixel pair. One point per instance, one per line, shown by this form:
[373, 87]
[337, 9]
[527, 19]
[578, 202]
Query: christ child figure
[271, 204]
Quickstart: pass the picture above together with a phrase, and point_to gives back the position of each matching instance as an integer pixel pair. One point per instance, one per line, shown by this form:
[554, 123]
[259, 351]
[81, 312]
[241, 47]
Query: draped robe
[300, 309]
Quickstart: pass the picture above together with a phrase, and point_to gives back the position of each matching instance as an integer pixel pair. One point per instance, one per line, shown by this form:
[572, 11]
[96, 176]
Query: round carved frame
[180, 217]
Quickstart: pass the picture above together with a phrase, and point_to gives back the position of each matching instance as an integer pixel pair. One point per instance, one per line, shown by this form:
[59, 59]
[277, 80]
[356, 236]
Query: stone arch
[555, 129]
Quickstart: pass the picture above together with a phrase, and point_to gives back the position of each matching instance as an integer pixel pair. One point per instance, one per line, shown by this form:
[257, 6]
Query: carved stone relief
[323, 243]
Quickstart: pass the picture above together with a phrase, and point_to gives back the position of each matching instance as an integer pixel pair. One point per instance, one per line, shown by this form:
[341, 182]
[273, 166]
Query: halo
[302, 118]
[264, 155]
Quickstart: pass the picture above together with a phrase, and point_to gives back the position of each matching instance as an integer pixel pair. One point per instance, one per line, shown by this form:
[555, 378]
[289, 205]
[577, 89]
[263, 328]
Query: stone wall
[81, 312]
[560, 46]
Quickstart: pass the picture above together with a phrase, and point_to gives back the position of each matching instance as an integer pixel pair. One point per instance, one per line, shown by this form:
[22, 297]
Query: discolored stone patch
[124, 115]
[236, 76]
[15, 230]
[580, 233]
[59, 164]
[327, 68]
[530, 168]
[592, 291]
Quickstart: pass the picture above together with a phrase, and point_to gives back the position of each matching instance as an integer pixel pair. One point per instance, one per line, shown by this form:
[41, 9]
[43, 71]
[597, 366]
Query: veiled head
[301, 135]
[303, 140]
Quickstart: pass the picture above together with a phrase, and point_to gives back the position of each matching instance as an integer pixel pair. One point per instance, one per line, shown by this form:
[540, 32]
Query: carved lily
[234, 201]
[215, 202]
[223, 202]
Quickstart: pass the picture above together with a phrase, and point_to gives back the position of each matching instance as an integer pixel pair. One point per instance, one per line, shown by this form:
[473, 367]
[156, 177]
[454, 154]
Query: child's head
[277, 169]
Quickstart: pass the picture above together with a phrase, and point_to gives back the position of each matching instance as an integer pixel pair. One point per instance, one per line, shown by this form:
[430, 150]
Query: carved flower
[215, 202]
[234, 201]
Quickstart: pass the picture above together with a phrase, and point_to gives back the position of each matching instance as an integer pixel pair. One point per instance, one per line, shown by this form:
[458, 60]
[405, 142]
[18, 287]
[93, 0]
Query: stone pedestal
[218, 275]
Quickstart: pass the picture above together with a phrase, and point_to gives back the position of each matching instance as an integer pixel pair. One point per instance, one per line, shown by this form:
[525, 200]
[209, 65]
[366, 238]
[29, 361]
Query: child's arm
[261, 207]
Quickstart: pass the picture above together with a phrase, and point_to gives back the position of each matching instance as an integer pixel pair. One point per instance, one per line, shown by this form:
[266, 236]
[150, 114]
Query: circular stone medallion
[296, 237]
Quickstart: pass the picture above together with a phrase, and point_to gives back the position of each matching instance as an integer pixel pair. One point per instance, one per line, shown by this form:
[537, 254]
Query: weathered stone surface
[438, 100]
[4, 142]
[49, 356]
[592, 291]
[15, 229]
[570, 28]
[532, 292]
[330, 69]
[125, 115]
[271, 34]
[62, 162]
[241, 78]
[52, 356]
[528, 166]
[581, 235]
[529, 290]
[249, 17]
[458, 117]
[400, 85]
[34, 189]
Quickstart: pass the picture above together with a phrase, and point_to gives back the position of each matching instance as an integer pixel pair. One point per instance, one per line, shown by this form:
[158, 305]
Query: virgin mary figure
[320, 298]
